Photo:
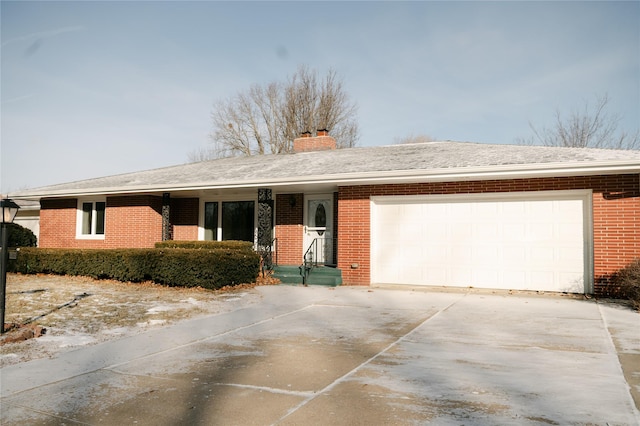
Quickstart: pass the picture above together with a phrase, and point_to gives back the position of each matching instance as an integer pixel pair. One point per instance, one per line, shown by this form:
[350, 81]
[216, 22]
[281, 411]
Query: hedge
[213, 245]
[210, 269]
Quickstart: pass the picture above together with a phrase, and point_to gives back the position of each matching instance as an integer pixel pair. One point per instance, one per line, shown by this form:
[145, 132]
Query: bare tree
[202, 154]
[589, 127]
[266, 119]
[414, 139]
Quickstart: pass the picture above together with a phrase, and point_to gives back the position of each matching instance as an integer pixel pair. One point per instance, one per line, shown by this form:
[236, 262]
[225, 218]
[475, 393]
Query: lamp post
[9, 211]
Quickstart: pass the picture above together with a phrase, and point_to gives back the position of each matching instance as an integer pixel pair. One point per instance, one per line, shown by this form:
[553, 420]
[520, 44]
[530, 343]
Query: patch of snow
[7, 356]
[151, 322]
[68, 340]
[234, 296]
[160, 308]
[116, 331]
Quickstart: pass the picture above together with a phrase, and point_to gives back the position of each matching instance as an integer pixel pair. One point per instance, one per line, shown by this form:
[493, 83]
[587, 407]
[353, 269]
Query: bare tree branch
[590, 127]
[422, 138]
[266, 119]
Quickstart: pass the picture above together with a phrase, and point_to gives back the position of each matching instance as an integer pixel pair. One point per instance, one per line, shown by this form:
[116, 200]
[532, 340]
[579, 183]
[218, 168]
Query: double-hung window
[90, 222]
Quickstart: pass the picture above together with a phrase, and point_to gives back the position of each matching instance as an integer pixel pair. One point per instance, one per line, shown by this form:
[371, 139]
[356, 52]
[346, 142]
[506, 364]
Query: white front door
[318, 228]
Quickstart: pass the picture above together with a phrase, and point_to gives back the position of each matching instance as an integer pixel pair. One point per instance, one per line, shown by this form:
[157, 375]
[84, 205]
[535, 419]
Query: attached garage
[522, 241]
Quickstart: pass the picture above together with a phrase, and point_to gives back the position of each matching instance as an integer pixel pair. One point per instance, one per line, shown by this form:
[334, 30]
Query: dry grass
[79, 310]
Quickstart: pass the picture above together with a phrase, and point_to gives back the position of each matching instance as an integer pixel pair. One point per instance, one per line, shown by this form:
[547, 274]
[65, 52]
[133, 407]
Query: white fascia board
[369, 178]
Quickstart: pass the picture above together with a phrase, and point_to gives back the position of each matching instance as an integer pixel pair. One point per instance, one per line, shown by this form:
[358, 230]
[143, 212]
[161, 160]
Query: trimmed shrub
[628, 280]
[210, 269]
[19, 236]
[209, 245]
[206, 268]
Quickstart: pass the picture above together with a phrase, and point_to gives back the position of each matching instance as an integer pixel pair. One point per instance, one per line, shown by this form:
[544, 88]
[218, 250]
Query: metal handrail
[311, 256]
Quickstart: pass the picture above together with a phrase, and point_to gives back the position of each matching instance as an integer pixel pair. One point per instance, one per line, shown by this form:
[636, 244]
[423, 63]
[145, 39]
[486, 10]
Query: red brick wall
[58, 223]
[354, 235]
[133, 221]
[616, 227]
[288, 228]
[184, 218]
[616, 217]
[130, 222]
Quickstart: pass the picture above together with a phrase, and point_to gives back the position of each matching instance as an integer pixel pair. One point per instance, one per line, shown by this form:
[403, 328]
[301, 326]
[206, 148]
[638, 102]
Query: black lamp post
[9, 209]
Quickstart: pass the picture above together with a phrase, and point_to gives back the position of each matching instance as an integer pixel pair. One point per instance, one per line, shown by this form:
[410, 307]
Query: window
[211, 221]
[91, 219]
[228, 220]
[238, 220]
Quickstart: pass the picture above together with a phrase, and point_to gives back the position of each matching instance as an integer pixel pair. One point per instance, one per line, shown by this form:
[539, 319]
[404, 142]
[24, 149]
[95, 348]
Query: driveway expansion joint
[368, 361]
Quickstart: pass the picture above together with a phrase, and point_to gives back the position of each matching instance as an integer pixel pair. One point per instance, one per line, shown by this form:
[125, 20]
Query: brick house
[439, 213]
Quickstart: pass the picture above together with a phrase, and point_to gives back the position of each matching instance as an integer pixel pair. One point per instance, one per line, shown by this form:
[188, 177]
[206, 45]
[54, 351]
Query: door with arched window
[318, 227]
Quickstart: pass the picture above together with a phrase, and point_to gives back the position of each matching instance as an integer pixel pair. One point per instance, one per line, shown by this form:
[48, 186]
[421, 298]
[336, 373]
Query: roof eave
[365, 178]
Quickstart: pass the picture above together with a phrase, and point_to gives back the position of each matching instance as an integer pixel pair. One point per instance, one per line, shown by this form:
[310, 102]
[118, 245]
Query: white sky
[100, 88]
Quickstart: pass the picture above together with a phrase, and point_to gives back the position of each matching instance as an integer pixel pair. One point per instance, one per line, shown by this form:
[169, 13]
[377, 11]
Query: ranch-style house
[436, 214]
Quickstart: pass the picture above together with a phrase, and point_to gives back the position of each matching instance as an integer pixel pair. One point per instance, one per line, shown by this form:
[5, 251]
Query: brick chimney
[321, 142]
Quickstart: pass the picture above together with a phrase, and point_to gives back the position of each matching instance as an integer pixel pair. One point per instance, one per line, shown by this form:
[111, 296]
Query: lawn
[77, 311]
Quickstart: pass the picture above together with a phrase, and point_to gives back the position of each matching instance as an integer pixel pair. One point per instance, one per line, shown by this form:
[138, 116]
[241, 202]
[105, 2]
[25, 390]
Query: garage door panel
[514, 232]
[460, 232]
[516, 278]
[460, 214]
[569, 257]
[485, 231]
[569, 209]
[514, 254]
[574, 282]
[541, 209]
[517, 244]
[482, 211]
[458, 254]
[569, 232]
[541, 255]
[514, 209]
[540, 231]
[485, 255]
[543, 280]
[484, 278]
[433, 254]
[460, 277]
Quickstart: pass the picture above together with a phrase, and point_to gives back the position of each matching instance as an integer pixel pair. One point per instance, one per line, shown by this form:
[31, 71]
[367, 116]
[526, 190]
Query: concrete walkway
[350, 356]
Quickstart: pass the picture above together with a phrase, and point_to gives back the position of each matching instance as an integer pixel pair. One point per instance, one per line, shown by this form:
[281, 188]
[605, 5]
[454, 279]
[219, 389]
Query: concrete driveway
[351, 356]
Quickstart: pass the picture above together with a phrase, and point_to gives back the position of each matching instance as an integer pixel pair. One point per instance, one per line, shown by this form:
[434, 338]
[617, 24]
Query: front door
[318, 228]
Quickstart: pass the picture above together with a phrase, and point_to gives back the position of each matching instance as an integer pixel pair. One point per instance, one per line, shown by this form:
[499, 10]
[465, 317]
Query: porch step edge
[323, 275]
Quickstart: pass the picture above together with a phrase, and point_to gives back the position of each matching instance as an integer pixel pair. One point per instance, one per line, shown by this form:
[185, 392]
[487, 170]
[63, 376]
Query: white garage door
[528, 241]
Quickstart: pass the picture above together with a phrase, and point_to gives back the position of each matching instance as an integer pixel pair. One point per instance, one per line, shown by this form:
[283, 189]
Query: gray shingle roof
[354, 165]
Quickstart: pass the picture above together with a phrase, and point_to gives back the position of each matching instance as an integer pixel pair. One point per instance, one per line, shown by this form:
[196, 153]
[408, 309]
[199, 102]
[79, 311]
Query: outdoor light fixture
[9, 210]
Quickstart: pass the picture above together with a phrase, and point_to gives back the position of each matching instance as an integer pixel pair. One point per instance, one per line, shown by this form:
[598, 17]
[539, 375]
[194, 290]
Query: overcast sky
[100, 88]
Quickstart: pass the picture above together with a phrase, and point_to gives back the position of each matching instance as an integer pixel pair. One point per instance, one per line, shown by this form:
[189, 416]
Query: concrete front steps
[321, 275]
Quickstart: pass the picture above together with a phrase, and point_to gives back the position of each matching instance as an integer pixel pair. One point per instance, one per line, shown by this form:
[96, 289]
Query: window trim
[94, 215]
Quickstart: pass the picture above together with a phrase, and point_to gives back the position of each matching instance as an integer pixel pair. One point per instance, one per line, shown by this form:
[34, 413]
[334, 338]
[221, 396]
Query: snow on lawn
[78, 311]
